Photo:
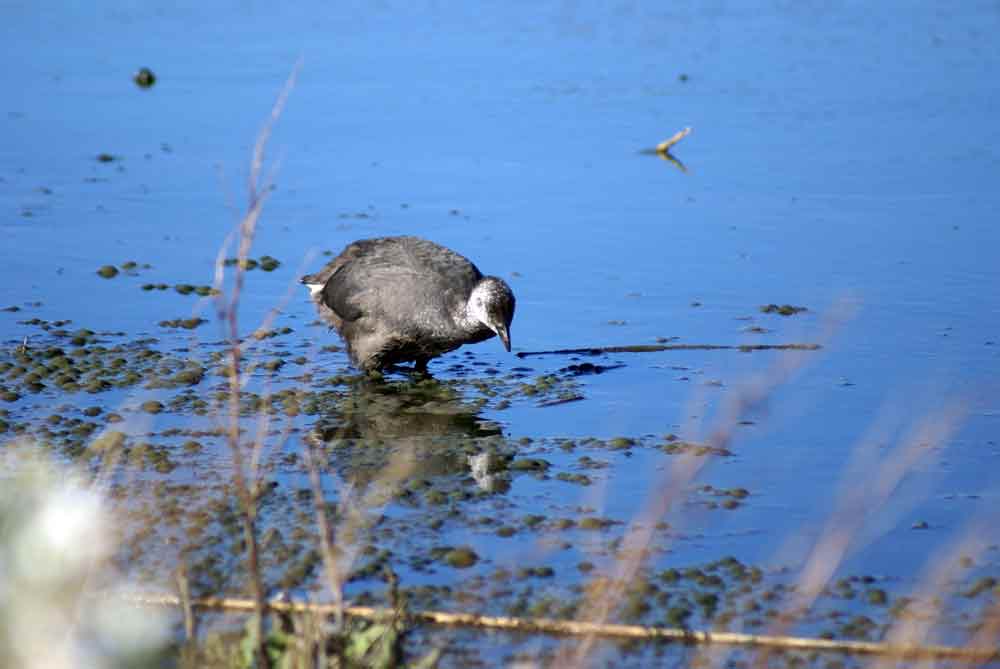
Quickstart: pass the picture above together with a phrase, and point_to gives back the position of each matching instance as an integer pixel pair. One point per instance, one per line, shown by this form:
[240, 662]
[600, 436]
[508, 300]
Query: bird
[407, 299]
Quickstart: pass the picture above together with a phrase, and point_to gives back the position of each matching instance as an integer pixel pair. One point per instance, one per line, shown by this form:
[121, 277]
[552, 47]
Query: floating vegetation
[265, 263]
[782, 310]
[460, 558]
[464, 483]
[185, 323]
[188, 289]
[107, 272]
[144, 78]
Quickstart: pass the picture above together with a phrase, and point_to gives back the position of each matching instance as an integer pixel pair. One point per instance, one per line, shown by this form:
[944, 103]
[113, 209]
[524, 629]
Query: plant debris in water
[265, 263]
[149, 409]
[782, 310]
[144, 78]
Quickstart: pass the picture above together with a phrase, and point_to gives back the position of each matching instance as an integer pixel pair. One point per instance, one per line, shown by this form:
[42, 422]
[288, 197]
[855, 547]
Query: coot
[406, 299]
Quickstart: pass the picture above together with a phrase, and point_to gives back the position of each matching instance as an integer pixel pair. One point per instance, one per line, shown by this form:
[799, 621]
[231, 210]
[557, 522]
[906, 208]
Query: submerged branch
[551, 626]
[654, 348]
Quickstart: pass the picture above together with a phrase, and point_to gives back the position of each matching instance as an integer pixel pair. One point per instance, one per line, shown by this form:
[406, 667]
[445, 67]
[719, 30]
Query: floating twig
[576, 397]
[665, 146]
[655, 348]
[663, 149]
[553, 626]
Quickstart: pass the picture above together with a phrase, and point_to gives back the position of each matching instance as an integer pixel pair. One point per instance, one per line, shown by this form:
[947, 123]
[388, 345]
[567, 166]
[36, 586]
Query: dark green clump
[269, 264]
[782, 310]
[581, 479]
[594, 523]
[186, 323]
[877, 596]
[107, 272]
[980, 586]
[529, 464]
[152, 406]
[184, 288]
[191, 376]
[461, 558]
[106, 158]
[144, 78]
[247, 264]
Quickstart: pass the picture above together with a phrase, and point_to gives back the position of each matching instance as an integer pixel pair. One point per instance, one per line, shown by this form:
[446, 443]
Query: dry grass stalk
[227, 310]
[867, 487]
[327, 539]
[934, 582]
[184, 596]
[575, 628]
[683, 471]
[751, 396]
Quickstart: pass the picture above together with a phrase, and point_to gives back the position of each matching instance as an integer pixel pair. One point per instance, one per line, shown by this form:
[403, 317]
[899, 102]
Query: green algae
[460, 558]
[579, 479]
[700, 594]
[594, 523]
[621, 443]
[107, 272]
[184, 323]
[782, 310]
[152, 406]
[269, 264]
[144, 78]
[529, 465]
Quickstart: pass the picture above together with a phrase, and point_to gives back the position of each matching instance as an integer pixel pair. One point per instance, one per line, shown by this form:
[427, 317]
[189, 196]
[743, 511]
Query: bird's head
[492, 304]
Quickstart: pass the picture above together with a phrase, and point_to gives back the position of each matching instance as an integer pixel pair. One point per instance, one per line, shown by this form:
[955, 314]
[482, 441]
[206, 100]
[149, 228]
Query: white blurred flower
[63, 539]
[54, 545]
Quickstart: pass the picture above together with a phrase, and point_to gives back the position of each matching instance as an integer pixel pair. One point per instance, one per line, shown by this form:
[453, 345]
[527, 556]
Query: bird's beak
[504, 335]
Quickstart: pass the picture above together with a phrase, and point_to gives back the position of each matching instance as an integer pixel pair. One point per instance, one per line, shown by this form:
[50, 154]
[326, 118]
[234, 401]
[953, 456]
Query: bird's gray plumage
[406, 299]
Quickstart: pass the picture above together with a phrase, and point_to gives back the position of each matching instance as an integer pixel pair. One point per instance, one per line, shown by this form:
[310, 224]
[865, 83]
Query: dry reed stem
[684, 469]
[550, 626]
[862, 497]
[355, 512]
[933, 583]
[184, 597]
[989, 633]
[335, 578]
[228, 315]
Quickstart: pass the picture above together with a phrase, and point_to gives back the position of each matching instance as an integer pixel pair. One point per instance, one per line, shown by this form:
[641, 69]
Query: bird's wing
[342, 292]
[389, 279]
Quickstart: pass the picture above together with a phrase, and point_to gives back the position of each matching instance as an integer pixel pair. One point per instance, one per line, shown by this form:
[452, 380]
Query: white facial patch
[314, 288]
[476, 307]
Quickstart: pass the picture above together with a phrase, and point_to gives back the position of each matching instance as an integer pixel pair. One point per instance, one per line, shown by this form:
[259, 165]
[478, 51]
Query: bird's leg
[420, 367]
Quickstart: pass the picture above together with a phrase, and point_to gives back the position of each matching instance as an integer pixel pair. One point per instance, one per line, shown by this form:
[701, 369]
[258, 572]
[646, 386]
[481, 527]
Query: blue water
[843, 158]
